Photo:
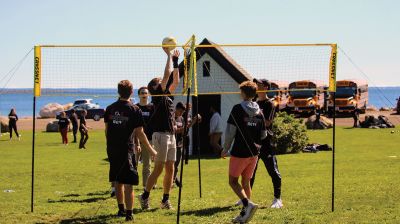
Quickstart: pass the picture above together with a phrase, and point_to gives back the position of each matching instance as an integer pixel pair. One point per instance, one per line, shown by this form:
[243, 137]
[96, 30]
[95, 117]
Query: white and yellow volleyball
[171, 41]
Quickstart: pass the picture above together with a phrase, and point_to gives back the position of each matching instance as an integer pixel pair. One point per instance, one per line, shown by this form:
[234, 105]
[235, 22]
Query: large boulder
[67, 106]
[324, 122]
[50, 110]
[4, 124]
[52, 126]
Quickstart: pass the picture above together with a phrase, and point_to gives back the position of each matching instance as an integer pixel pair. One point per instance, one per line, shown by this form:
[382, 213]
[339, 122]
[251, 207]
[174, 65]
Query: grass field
[71, 185]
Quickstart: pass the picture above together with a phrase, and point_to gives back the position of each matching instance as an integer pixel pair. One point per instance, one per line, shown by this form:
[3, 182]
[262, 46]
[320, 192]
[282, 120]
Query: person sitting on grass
[83, 129]
[63, 126]
[123, 121]
[246, 127]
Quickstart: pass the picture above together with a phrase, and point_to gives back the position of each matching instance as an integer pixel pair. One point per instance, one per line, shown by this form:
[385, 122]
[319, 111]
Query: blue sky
[369, 31]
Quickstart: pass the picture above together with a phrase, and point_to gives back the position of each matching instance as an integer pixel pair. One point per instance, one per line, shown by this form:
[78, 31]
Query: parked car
[86, 103]
[398, 105]
[93, 110]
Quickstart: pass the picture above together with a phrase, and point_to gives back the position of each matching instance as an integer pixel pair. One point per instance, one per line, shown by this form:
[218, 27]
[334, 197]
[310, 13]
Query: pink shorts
[242, 166]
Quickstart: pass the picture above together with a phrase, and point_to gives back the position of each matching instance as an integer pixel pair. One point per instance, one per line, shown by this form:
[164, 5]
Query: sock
[128, 212]
[112, 189]
[121, 207]
[165, 198]
[245, 202]
[145, 194]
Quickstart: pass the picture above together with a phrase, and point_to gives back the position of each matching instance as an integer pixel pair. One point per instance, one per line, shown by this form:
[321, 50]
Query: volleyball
[169, 41]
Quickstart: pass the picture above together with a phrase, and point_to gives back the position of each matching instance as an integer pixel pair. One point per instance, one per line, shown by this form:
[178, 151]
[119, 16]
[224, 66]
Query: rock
[4, 124]
[67, 106]
[50, 110]
[323, 123]
[385, 109]
[52, 126]
[371, 108]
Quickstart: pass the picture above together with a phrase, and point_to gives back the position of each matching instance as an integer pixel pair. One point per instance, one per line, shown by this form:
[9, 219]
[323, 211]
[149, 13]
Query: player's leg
[271, 164]
[146, 161]
[129, 199]
[176, 165]
[119, 188]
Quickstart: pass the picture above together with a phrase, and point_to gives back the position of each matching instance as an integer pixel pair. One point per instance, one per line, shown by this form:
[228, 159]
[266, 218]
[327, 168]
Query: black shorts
[123, 168]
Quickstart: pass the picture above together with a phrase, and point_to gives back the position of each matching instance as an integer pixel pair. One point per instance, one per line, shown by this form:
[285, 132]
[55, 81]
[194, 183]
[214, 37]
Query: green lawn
[71, 185]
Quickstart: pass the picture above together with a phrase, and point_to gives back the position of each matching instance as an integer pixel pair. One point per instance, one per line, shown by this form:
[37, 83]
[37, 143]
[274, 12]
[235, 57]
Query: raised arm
[171, 59]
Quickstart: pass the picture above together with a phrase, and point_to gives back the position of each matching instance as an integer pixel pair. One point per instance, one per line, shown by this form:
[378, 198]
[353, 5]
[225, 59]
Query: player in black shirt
[163, 125]
[12, 123]
[123, 121]
[147, 112]
[74, 121]
[246, 127]
[267, 154]
[83, 129]
[63, 126]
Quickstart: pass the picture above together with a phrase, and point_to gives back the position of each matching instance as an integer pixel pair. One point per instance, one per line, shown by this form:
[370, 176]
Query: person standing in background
[74, 121]
[12, 123]
[147, 112]
[83, 129]
[215, 131]
[63, 126]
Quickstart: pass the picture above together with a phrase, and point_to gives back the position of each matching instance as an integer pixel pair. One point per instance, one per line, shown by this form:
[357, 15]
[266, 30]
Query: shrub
[289, 134]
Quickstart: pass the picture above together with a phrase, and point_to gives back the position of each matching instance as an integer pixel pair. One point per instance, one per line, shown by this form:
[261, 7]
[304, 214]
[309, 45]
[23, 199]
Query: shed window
[206, 69]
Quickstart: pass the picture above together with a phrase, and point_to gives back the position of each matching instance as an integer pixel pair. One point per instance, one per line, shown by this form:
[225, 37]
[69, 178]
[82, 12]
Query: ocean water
[22, 99]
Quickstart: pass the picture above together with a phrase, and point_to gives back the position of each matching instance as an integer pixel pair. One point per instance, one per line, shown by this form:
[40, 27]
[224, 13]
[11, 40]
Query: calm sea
[21, 99]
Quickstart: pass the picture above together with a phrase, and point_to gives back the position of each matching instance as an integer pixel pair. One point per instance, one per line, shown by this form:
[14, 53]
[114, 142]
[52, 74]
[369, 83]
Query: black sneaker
[129, 218]
[121, 213]
[178, 183]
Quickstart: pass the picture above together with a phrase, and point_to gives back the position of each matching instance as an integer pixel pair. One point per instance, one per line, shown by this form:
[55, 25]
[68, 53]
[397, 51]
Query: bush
[289, 134]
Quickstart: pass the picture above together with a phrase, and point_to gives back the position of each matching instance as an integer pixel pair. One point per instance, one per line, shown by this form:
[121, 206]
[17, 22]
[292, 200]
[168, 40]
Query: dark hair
[151, 84]
[73, 110]
[141, 88]
[12, 112]
[125, 89]
[180, 105]
[249, 89]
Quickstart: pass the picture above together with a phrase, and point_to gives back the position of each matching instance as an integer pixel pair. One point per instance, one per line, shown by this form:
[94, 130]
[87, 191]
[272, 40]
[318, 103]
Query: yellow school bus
[306, 96]
[350, 95]
[277, 94]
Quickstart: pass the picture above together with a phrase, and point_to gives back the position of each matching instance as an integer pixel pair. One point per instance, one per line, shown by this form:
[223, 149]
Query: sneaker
[166, 205]
[277, 203]
[112, 193]
[177, 182]
[129, 218]
[250, 209]
[238, 203]
[239, 218]
[121, 213]
[144, 203]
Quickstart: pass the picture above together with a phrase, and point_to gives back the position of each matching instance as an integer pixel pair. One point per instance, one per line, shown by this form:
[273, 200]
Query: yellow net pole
[37, 74]
[332, 68]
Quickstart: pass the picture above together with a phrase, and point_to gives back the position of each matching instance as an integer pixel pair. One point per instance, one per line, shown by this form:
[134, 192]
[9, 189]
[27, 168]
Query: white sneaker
[250, 209]
[277, 203]
[239, 218]
[239, 203]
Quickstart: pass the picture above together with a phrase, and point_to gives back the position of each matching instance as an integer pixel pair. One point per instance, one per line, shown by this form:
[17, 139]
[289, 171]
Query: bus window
[344, 91]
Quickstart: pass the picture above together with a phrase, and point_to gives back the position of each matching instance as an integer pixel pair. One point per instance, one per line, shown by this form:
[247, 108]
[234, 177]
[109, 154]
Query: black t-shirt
[74, 119]
[180, 121]
[163, 119]
[82, 121]
[147, 113]
[13, 118]
[122, 117]
[268, 109]
[248, 134]
[63, 122]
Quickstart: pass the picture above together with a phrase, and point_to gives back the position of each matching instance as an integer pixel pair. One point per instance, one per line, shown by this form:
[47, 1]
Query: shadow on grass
[98, 193]
[87, 200]
[95, 219]
[71, 195]
[207, 211]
